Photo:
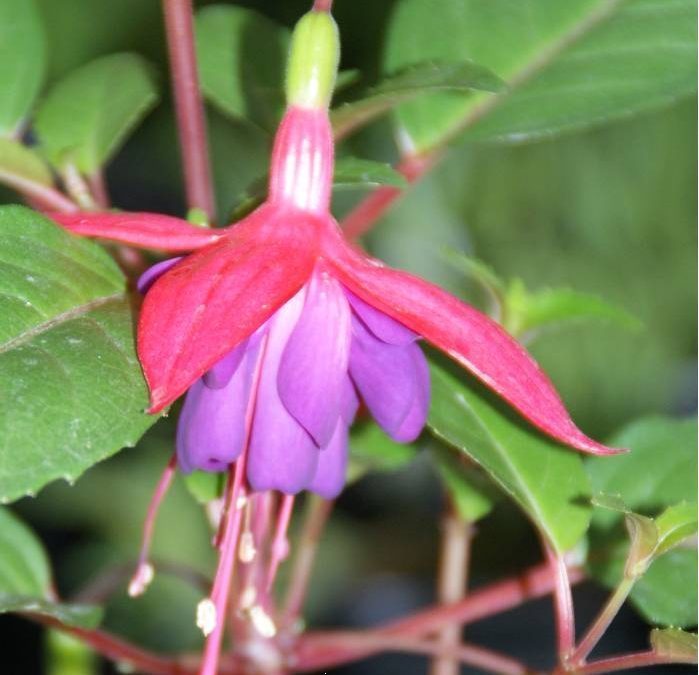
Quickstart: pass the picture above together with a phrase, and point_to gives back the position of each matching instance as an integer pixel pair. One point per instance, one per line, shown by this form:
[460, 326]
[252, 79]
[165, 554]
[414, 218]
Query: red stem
[118, 650]
[42, 196]
[493, 599]
[322, 5]
[188, 105]
[365, 215]
[473, 655]
[627, 661]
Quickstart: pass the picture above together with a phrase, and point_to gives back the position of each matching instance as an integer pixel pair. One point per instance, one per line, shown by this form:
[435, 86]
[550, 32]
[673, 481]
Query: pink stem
[563, 604]
[224, 574]
[280, 543]
[118, 650]
[144, 572]
[323, 5]
[98, 188]
[316, 517]
[452, 582]
[365, 215]
[188, 104]
[627, 661]
[472, 655]
[493, 599]
[44, 197]
[229, 546]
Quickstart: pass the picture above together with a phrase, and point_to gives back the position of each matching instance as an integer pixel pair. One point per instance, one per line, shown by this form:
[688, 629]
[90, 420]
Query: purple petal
[154, 272]
[314, 364]
[385, 377]
[211, 428]
[414, 422]
[381, 325]
[282, 455]
[330, 475]
[221, 373]
[349, 402]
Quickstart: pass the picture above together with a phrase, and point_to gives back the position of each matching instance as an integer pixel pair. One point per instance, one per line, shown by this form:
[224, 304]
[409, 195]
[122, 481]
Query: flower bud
[313, 59]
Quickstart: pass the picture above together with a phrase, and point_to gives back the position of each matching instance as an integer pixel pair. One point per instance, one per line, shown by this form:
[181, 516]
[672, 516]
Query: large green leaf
[471, 493]
[409, 83]
[659, 472]
[87, 115]
[546, 480]
[22, 61]
[241, 58]
[25, 577]
[71, 390]
[568, 64]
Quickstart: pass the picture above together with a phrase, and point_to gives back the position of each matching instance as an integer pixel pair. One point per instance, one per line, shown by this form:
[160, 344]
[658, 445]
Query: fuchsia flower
[280, 314]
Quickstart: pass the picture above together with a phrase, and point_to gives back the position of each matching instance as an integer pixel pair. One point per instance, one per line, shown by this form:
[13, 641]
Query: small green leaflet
[71, 388]
[25, 577]
[372, 450]
[87, 115]
[675, 644]
[20, 162]
[409, 83]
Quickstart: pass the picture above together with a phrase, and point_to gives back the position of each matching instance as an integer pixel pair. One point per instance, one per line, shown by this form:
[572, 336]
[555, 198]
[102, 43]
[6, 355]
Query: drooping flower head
[276, 328]
[279, 321]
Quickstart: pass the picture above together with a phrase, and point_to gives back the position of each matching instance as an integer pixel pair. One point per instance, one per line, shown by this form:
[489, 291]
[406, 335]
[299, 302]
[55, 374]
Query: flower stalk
[189, 108]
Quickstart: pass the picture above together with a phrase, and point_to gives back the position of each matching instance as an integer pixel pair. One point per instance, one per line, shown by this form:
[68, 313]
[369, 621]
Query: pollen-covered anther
[262, 622]
[141, 579]
[247, 598]
[246, 548]
[206, 616]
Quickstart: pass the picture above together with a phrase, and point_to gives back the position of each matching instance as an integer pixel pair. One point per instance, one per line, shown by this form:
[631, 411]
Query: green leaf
[567, 64]
[674, 525]
[72, 389]
[25, 577]
[241, 58]
[205, 486]
[354, 172]
[87, 115]
[372, 450]
[472, 495]
[22, 61]
[675, 644]
[660, 470]
[411, 82]
[528, 313]
[546, 480]
[19, 161]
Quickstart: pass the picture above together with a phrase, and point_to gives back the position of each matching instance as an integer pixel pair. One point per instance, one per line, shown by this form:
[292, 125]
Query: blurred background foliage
[610, 211]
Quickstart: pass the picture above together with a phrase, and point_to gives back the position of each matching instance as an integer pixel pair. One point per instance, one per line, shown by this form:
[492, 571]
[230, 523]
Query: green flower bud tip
[313, 59]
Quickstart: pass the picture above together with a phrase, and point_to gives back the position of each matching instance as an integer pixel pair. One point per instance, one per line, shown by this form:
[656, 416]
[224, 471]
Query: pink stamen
[280, 543]
[144, 570]
[236, 498]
